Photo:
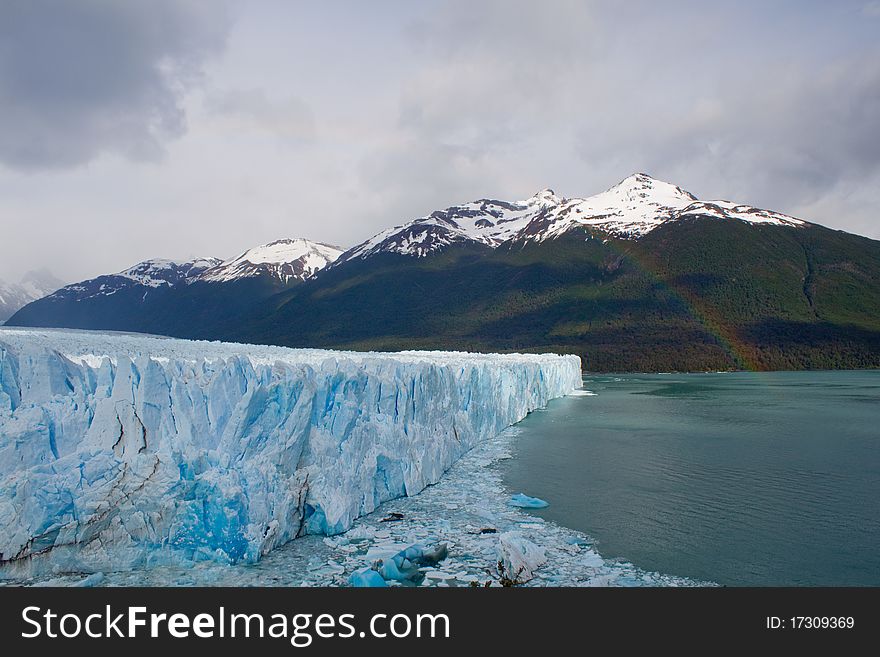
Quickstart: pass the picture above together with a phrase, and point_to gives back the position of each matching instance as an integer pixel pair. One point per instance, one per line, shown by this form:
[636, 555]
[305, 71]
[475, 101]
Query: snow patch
[284, 259]
[628, 210]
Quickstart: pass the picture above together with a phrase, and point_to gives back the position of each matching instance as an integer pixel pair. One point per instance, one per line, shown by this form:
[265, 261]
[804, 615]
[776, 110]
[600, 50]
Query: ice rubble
[519, 556]
[121, 451]
[408, 565]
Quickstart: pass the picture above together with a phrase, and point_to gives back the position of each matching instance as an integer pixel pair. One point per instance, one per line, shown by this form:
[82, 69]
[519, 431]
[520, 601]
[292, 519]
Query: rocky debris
[392, 517]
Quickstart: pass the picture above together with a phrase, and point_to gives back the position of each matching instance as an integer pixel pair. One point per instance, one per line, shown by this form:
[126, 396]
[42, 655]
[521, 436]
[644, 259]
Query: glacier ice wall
[122, 451]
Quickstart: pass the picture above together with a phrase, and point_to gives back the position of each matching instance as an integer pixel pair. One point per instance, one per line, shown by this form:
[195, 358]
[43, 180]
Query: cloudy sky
[176, 128]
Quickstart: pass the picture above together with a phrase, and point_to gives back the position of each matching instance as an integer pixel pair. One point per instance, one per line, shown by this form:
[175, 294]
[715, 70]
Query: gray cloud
[871, 9]
[288, 118]
[335, 120]
[769, 105]
[783, 136]
[81, 78]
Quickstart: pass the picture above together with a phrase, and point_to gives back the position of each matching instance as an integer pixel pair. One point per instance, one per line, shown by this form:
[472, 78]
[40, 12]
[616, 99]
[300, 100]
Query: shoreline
[468, 499]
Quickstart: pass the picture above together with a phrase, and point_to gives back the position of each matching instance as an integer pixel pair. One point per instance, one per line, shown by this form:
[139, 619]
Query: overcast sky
[172, 128]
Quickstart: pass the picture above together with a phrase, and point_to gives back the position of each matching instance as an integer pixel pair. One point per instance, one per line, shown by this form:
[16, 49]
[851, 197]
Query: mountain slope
[287, 260]
[643, 276]
[195, 299]
[122, 301]
[692, 294]
[630, 209]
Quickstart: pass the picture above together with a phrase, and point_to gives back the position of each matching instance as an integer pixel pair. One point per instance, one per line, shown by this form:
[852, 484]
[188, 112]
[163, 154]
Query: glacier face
[121, 451]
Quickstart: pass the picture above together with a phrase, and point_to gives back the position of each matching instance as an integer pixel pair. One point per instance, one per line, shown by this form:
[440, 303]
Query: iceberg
[405, 565]
[523, 501]
[123, 451]
[366, 578]
[519, 556]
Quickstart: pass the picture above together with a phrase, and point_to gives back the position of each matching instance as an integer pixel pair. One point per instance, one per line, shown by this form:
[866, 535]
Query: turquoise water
[741, 479]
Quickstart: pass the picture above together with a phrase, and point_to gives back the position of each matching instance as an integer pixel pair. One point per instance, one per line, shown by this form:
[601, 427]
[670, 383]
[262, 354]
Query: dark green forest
[692, 295]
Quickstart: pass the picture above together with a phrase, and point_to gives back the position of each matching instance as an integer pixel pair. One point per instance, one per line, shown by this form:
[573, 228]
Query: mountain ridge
[640, 277]
[630, 209]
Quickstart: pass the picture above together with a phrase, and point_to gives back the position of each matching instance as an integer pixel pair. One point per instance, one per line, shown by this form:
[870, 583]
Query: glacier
[125, 451]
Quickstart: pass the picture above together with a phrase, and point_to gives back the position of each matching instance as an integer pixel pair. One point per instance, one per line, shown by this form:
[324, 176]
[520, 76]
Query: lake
[737, 478]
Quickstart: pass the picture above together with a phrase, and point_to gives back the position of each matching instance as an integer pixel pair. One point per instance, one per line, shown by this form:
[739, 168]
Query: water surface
[741, 479]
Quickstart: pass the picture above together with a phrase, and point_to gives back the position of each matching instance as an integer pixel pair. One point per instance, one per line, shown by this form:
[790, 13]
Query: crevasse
[122, 451]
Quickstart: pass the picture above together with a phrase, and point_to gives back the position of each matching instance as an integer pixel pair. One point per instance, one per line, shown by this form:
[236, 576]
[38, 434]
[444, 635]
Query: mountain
[641, 277]
[630, 209]
[33, 285]
[286, 260]
[141, 279]
[121, 301]
[195, 297]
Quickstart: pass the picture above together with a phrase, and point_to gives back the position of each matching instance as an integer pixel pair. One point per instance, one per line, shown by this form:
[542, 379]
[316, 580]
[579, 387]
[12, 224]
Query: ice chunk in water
[523, 501]
[366, 578]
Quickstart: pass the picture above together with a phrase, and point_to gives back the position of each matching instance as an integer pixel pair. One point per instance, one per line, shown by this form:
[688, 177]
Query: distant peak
[152, 263]
[297, 241]
[289, 240]
[644, 183]
[166, 263]
[42, 277]
[285, 259]
[545, 197]
[290, 248]
[639, 178]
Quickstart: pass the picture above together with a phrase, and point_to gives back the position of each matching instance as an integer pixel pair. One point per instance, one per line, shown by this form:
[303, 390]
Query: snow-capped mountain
[157, 273]
[33, 285]
[629, 210]
[623, 278]
[162, 296]
[286, 260]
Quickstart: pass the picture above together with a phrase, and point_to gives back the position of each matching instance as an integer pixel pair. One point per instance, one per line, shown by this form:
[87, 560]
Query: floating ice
[523, 501]
[121, 451]
[366, 578]
[390, 570]
[520, 556]
[405, 565]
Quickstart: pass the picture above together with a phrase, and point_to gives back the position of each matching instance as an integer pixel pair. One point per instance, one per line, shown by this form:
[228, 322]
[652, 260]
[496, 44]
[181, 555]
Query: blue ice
[366, 578]
[120, 451]
[523, 501]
